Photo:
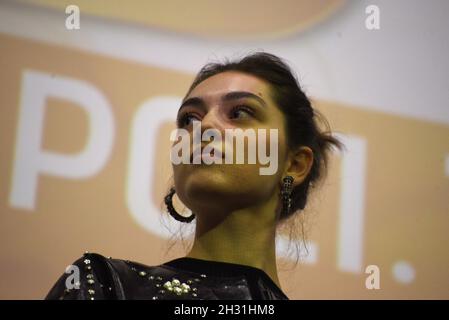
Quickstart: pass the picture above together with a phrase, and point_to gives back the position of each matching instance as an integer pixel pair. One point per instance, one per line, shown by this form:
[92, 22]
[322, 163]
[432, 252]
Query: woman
[237, 209]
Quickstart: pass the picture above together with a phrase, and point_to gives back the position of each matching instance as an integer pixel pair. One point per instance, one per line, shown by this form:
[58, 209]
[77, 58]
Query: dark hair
[302, 124]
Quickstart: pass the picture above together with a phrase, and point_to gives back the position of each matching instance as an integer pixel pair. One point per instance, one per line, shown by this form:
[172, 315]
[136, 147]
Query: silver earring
[286, 190]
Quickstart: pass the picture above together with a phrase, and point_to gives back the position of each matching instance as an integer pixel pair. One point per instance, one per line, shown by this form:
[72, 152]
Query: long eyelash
[244, 108]
[181, 118]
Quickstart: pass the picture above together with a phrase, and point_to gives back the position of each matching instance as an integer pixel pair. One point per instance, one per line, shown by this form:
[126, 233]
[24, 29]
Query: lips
[215, 153]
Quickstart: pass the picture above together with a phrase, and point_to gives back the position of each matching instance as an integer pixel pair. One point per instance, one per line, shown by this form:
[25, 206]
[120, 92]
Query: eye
[241, 112]
[186, 119]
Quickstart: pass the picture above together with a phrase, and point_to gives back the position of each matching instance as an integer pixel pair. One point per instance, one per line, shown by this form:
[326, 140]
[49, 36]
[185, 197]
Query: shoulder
[95, 277]
[83, 279]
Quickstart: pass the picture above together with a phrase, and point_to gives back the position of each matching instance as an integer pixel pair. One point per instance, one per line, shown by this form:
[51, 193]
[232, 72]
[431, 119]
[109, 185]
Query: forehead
[228, 81]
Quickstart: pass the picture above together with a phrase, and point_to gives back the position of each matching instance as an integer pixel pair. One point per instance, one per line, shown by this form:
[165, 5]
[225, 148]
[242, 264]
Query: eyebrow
[233, 95]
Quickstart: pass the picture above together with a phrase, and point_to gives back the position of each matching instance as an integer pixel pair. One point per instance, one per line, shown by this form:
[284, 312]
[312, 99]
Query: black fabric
[179, 279]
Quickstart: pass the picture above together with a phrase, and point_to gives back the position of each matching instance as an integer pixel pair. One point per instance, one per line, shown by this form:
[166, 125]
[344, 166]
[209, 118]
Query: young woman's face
[230, 100]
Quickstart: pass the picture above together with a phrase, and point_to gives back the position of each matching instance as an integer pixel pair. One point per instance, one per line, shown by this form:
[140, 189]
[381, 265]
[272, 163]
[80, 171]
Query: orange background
[405, 207]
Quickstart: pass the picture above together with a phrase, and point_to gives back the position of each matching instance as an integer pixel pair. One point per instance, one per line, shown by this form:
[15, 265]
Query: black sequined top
[179, 279]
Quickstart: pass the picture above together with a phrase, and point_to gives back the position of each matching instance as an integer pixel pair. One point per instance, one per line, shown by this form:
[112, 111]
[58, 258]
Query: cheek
[180, 173]
[274, 150]
[235, 181]
[282, 151]
[282, 147]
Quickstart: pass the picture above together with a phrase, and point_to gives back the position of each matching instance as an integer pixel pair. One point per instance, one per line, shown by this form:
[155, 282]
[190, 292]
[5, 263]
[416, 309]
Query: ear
[299, 164]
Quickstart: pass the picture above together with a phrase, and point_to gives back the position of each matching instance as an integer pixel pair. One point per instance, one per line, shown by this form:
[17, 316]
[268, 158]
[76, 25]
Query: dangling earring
[169, 203]
[287, 184]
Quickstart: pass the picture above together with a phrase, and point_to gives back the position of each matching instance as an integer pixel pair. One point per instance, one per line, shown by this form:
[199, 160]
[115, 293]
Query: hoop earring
[287, 184]
[172, 211]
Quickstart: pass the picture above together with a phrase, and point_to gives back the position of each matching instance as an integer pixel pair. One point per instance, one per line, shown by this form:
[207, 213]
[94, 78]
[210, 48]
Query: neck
[244, 236]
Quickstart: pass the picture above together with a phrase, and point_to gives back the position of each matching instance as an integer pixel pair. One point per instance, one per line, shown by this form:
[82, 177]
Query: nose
[212, 120]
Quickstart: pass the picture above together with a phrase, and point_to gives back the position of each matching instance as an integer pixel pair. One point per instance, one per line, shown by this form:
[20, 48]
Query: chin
[207, 183]
[217, 186]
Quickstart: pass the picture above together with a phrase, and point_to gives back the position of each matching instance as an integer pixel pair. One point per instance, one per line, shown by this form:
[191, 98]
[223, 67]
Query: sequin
[177, 290]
